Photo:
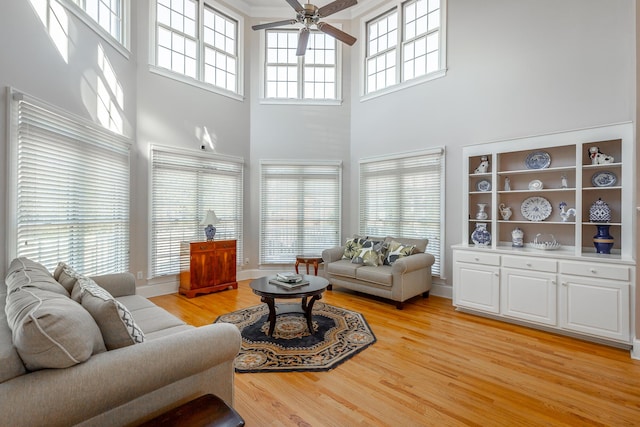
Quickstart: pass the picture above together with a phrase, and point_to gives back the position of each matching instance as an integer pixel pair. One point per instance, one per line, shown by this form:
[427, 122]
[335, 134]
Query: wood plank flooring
[434, 366]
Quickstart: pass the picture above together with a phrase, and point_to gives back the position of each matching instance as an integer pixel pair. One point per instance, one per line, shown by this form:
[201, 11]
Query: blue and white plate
[538, 160]
[483, 185]
[536, 208]
[604, 179]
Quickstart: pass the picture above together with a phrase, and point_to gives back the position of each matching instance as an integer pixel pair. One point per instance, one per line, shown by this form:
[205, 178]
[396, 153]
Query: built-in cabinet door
[529, 295]
[477, 287]
[595, 306]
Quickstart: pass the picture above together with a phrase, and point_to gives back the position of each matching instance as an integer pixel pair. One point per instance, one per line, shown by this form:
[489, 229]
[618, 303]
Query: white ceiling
[279, 8]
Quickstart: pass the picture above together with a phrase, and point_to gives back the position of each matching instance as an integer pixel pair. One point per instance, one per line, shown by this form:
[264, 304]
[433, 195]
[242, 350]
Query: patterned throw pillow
[370, 254]
[396, 251]
[66, 276]
[114, 319]
[352, 247]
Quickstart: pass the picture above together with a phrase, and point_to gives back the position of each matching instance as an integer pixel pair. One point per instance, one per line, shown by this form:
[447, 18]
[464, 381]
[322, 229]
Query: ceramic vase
[517, 238]
[603, 241]
[600, 211]
[481, 236]
[482, 215]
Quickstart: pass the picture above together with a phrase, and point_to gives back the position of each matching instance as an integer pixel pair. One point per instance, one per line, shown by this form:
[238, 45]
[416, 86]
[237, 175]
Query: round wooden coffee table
[269, 292]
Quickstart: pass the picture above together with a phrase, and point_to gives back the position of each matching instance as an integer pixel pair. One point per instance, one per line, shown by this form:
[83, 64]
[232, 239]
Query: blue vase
[210, 231]
[481, 236]
[603, 241]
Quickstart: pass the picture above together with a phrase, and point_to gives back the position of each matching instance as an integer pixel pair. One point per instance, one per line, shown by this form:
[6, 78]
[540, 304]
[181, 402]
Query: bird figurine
[566, 214]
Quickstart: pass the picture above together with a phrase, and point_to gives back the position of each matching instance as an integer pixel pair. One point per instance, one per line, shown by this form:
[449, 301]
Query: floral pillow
[352, 247]
[396, 251]
[370, 254]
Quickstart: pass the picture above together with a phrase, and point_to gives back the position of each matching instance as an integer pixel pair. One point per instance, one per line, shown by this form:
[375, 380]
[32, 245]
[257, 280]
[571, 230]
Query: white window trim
[443, 192]
[294, 101]
[161, 71]
[123, 48]
[401, 85]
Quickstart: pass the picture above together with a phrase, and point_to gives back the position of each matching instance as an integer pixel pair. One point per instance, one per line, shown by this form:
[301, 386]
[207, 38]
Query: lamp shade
[210, 218]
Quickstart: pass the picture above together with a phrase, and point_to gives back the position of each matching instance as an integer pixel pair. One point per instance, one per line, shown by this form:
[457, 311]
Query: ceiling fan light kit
[309, 15]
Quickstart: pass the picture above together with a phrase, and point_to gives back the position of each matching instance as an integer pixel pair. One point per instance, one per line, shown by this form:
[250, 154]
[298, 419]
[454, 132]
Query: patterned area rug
[338, 335]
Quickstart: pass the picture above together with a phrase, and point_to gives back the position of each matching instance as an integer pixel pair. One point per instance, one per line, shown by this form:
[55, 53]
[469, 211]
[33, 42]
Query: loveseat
[89, 351]
[394, 268]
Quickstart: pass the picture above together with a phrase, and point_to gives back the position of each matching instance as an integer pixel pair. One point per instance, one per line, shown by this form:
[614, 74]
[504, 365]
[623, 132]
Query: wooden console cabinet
[207, 267]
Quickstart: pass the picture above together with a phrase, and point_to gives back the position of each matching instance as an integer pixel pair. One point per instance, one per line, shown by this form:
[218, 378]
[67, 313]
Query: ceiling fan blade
[296, 5]
[274, 24]
[303, 39]
[335, 7]
[334, 32]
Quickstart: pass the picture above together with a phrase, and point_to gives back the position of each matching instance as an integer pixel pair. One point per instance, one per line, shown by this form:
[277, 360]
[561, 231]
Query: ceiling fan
[309, 15]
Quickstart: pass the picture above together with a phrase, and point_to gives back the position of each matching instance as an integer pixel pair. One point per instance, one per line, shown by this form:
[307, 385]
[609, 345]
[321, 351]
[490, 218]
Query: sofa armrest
[332, 254]
[118, 284]
[113, 378]
[413, 262]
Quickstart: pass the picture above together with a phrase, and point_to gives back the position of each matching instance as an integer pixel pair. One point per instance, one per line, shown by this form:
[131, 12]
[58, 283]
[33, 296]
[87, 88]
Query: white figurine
[563, 181]
[507, 184]
[566, 214]
[598, 157]
[505, 211]
[483, 167]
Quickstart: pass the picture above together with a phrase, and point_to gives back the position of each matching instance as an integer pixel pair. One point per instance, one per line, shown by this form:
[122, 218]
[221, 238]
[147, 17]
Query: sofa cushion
[420, 244]
[352, 247]
[23, 272]
[381, 275]
[66, 276]
[51, 330]
[342, 267]
[113, 318]
[11, 365]
[397, 250]
[370, 254]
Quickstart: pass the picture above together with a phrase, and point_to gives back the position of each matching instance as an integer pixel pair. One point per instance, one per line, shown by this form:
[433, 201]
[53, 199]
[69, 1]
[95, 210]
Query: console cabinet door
[477, 287]
[529, 295]
[597, 307]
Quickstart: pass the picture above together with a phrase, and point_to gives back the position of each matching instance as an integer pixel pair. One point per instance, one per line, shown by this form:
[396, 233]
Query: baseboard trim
[635, 350]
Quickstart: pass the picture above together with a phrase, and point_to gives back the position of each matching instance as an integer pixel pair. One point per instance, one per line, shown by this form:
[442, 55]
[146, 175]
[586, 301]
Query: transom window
[404, 44]
[198, 41]
[311, 76]
[107, 13]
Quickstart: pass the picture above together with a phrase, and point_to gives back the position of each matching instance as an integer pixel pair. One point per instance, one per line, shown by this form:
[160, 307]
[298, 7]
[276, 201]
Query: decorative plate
[538, 160]
[604, 179]
[483, 185]
[536, 184]
[536, 208]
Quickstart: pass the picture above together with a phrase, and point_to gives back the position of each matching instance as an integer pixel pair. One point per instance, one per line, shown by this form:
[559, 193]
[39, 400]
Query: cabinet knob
[528, 264]
[593, 270]
[477, 259]
[564, 283]
[553, 282]
[496, 274]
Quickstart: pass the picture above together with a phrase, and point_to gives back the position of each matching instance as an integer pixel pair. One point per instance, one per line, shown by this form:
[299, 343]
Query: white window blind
[184, 186]
[300, 209]
[72, 195]
[404, 196]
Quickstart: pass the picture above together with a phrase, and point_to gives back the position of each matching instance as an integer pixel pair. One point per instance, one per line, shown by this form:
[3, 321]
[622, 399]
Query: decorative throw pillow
[352, 247]
[114, 319]
[396, 251]
[50, 330]
[369, 254]
[66, 276]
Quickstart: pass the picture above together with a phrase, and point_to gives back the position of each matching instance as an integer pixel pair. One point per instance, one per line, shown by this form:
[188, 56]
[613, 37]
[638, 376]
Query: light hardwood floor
[434, 366]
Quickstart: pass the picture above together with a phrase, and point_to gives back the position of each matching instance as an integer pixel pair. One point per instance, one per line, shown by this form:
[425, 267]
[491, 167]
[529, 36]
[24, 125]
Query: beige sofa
[391, 267]
[56, 370]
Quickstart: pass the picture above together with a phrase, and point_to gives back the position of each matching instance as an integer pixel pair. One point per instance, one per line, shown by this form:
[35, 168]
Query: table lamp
[209, 221]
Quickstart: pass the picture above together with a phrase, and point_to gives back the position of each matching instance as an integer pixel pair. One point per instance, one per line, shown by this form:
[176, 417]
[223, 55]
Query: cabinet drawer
[202, 246]
[602, 271]
[528, 263]
[225, 244]
[478, 258]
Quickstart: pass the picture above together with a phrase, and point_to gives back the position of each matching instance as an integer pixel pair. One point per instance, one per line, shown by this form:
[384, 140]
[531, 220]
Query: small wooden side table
[313, 260]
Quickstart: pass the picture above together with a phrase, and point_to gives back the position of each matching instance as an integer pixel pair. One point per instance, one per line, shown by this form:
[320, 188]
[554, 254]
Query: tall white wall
[515, 68]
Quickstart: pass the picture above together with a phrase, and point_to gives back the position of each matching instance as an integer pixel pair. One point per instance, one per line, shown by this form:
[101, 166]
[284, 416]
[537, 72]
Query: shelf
[544, 190]
[529, 171]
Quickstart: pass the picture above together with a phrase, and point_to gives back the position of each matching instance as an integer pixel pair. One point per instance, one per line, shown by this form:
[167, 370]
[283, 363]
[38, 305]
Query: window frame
[199, 80]
[123, 45]
[195, 161]
[291, 166]
[437, 249]
[399, 7]
[300, 65]
[79, 134]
